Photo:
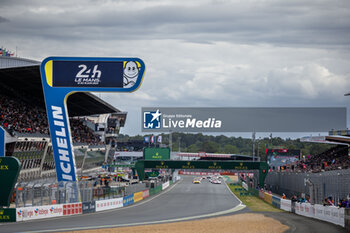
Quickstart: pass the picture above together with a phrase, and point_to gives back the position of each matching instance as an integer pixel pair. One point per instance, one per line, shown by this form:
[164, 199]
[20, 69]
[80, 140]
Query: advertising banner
[72, 209]
[109, 204]
[156, 153]
[138, 197]
[145, 193]
[268, 198]
[165, 185]
[276, 202]
[89, 207]
[128, 200]
[62, 76]
[38, 212]
[261, 194]
[9, 171]
[286, 205]
[8, 215]
[331, 214]
[201, 173]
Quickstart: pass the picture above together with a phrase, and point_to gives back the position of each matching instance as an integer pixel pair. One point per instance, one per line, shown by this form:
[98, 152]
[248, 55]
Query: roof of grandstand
[338, 140]
[18, 75]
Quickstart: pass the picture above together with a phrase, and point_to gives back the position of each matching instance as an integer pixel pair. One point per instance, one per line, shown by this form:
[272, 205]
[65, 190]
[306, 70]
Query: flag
[146, 139]
[159, 139]
[152, 139]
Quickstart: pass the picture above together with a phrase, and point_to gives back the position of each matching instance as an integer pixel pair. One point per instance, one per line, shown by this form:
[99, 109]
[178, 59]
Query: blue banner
[87, 74]
[128, 200]
[276, 201]
[2, 142]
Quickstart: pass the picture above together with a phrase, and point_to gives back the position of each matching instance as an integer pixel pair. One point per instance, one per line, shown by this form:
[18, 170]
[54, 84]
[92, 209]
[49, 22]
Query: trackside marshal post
[63, 76]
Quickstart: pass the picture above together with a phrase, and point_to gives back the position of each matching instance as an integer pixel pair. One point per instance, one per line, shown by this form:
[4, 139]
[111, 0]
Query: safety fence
[39, 194]
[316, 185]
[56, 210]
[332, 214]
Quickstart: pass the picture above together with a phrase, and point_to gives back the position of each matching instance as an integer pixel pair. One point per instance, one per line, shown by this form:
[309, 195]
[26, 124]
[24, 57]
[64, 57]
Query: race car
[196, 181]
[215, 181]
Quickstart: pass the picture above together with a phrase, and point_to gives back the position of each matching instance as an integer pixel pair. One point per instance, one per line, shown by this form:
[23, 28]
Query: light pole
[258, 148]
[253, 141]
[179, 144]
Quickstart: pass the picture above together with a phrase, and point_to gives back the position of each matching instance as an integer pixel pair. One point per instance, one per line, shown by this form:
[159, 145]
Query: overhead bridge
[239, 166]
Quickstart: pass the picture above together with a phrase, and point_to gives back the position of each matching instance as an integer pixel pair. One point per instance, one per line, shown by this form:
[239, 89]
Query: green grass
[254, 203]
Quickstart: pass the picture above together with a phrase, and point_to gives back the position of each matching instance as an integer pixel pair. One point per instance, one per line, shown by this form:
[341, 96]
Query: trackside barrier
[88, 207]
[109, 204]
[138, 196]
[330, 214]
[38, 212]
[276, 202]
[49, 211]
[128, 200]
[145, 193]
[72, 209]
[286, 205]
[268, 198]
[261, 194]
[165, 185]
[154, 191]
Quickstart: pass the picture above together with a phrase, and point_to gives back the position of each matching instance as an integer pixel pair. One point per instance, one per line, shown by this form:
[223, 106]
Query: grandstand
[318, 176]
[23, 116]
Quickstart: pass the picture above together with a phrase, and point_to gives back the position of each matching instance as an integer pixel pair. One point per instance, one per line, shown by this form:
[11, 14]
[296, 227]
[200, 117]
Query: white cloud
[198, 53]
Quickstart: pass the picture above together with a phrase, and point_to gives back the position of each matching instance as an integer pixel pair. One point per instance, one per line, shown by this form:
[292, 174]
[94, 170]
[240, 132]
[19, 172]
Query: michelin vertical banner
[62, 77]
[2, 142]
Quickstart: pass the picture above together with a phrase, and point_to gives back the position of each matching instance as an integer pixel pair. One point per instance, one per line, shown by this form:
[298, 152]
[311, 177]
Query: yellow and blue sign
[2, 142]
[62, 76]
[128, 200]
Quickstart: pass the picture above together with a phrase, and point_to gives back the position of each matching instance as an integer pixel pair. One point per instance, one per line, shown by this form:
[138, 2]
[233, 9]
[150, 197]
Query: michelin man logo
[131, 72]
[152, 120]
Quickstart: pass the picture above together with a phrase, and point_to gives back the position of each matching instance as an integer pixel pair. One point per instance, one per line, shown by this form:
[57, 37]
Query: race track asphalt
[180, 201]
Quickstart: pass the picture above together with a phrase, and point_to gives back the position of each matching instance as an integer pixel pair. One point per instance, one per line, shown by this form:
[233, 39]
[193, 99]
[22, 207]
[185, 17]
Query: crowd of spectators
[18, 116]
[332, 159]
[22, 118]
[83, 134]
[336, 158]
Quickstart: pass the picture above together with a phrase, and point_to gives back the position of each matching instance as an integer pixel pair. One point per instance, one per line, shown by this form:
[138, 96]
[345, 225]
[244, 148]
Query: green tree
[230, 149]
